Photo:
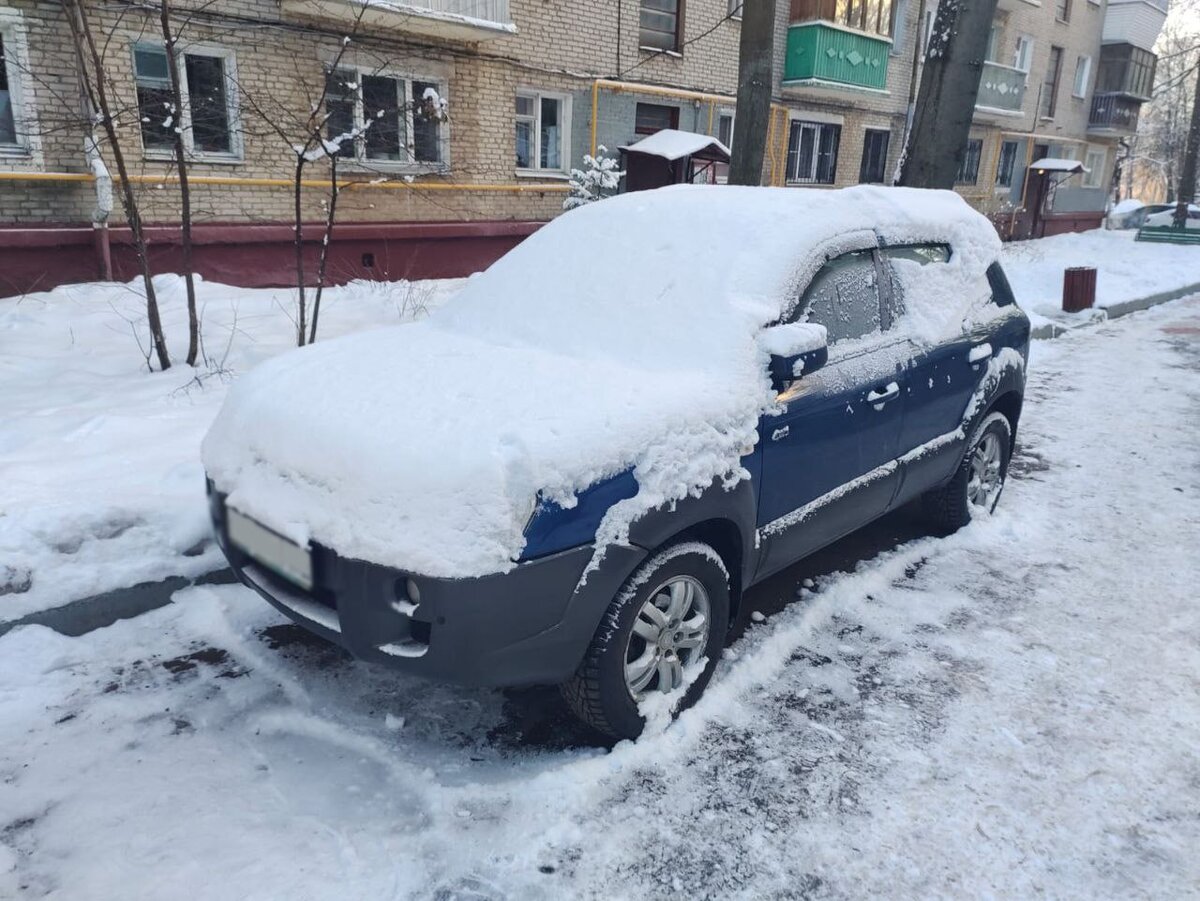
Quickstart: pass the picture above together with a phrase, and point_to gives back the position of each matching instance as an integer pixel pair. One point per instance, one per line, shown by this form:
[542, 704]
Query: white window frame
[1023, 53]
[236, 152]
[407, 76]
[564, 115]
[1083, 75]
[735, 9]
[726, 112]
[816, 122]
[1093, 175]
[27, 147]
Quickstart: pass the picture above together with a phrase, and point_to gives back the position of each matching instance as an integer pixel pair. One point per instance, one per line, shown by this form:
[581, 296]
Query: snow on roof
[672, 145]
[621, 336]
[1053, 164]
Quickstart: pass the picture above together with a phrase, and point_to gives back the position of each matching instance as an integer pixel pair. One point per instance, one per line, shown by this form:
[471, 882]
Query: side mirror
[795, 349]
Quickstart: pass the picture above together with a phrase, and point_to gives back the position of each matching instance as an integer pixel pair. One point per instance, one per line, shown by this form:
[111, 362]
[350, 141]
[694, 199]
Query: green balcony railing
[825, 52]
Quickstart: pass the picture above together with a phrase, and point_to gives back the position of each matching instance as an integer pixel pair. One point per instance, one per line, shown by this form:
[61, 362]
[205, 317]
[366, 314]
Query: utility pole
[1187, 181]
[954, 60]
[755, 82]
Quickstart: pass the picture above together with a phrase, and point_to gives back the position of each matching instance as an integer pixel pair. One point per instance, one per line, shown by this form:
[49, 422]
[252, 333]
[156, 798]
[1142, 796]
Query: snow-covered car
[1167, 217]
[572, 472]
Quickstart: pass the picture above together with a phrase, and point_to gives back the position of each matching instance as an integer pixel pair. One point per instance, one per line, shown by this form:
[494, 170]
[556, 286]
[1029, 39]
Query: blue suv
[869, 409]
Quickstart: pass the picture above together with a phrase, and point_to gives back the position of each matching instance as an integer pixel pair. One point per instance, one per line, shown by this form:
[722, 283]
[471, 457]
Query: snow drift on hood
[622, 335]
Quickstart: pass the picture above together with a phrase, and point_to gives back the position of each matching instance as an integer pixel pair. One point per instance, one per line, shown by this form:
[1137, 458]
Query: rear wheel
[668, 620]
[979, 481]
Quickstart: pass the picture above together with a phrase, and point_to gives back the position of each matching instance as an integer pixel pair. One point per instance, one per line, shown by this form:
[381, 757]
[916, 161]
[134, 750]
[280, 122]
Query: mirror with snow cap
[795, 349]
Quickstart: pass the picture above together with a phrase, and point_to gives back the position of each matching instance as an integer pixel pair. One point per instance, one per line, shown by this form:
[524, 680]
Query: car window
[922, 254]
[844, 297]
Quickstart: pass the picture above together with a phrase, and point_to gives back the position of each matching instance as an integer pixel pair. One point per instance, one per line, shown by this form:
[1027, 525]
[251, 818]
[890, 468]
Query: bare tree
[96, 85]
[181, 166]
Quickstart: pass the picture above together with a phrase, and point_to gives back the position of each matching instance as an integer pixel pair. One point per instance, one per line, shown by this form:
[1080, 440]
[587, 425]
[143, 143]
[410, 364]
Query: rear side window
[1002, 295]
[844, 297]
[922, 255]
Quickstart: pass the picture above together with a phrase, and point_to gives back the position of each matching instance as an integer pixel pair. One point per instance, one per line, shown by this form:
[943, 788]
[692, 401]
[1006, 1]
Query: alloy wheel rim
[669, 634]
[987, 472]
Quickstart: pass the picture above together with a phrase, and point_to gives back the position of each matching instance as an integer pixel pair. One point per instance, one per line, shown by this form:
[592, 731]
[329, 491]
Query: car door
[828, 461]
[943, 377]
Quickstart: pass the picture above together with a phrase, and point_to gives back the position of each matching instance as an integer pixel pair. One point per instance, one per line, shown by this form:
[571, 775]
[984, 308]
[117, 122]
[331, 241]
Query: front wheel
[663, 632]
[980, 477]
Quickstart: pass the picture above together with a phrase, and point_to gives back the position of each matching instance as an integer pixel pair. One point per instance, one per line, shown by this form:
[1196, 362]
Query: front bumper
[528, 626]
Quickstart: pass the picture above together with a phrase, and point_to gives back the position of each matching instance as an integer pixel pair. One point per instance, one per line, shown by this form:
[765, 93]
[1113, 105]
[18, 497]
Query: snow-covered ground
[101, 485]
[1012, 711]
[1126, 270]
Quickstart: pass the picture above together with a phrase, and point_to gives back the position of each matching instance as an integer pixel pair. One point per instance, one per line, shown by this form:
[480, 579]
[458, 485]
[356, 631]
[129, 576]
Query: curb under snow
[87, 614]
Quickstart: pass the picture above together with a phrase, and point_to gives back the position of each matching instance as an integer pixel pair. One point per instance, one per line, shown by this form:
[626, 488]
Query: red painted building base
[255, 256]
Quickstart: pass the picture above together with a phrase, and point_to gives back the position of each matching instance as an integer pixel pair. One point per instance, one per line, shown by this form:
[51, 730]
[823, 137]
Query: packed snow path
[1010, 711]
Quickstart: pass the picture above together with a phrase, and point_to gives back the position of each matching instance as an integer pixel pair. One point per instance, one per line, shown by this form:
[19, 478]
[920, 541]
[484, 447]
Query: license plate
[286, 558]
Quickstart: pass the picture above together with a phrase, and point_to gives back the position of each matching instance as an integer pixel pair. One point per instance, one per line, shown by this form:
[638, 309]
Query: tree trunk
[86, 50]
[755, 82]
[937, 142]
[298, 245]
[326, 238]
[1187, 180]
[185, 197]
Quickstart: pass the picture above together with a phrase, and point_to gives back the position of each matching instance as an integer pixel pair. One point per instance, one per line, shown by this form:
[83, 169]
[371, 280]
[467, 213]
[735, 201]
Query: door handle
[979, 353]
[780, 434]
[883, 395]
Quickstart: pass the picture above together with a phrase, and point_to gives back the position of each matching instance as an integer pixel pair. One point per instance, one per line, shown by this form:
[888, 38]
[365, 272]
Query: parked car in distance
[572, 472]
[1166, 217]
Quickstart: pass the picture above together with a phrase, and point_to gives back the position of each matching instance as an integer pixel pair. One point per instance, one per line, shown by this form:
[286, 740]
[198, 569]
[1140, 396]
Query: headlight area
[553, 528]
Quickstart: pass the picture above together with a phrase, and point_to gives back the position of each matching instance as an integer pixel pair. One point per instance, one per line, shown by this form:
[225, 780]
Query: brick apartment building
[529, 87]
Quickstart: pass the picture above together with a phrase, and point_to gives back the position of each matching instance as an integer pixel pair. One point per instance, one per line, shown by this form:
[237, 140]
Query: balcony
[1114, 114]
[828, 53]
[1137, 22]
[1001, 89]
[456, 20]
[1126, 69]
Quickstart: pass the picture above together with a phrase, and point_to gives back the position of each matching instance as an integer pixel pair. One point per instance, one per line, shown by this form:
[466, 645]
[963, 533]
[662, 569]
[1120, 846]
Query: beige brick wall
[561, 45]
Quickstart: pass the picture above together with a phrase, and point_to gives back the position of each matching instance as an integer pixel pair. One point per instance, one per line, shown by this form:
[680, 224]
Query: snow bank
[621, 336]
[100, 482]
[1126, 269]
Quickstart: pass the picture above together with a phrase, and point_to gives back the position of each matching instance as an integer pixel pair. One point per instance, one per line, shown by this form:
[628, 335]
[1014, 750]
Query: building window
[1023, 53]
[725, 129]
[968, 171]
[874, 159]
[1126, 69]
[1007, 164]
[8, 83]
[1093, 176]
[385, 119]
[1083, 71]
[541, 136]
[654, 117]
[874, 16]
[208, 120]
[812, 153]
[1062, 10]
[1049, 101]
[660, 23]
[992, 54]
[735, 9]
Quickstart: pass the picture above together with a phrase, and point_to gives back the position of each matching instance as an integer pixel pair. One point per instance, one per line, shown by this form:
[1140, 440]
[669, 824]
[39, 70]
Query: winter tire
[670, 615]
[980, 477]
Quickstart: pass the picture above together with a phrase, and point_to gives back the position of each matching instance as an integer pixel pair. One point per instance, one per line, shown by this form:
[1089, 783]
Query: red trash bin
[1079, 289]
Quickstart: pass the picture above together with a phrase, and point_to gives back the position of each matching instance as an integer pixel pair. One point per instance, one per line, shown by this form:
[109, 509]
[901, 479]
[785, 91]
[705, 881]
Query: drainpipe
[914, 80]
[104, 206]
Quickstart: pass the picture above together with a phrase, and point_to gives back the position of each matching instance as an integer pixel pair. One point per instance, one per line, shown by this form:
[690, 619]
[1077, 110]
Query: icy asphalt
[1012, 711]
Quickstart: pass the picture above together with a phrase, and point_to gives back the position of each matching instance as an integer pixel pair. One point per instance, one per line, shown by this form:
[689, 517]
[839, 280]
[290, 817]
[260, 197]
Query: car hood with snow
[623, 335]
